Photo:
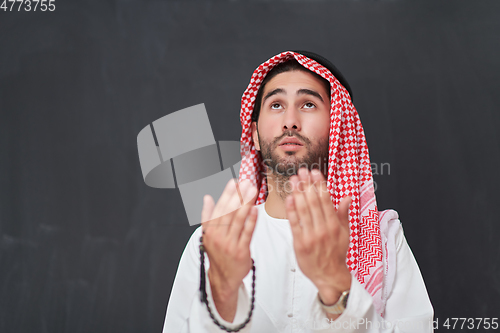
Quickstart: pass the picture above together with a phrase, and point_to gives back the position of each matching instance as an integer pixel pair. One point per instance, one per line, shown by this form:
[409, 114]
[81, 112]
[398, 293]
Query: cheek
[325, 129]
[320, 127]
[266, 131]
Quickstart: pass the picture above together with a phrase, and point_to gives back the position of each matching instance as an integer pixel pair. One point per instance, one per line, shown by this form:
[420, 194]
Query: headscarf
[349, 172]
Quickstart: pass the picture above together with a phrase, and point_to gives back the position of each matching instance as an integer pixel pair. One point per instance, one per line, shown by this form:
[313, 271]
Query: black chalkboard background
[86, 246]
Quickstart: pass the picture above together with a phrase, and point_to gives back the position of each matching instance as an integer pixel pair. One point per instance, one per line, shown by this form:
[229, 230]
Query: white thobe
[286, 300]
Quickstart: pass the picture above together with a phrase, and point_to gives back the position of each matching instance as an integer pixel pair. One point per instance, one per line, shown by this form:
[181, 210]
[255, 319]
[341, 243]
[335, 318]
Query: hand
[227, 232]
[320, 234]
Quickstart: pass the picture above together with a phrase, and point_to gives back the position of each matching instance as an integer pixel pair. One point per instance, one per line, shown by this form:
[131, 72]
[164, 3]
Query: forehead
[295, 80]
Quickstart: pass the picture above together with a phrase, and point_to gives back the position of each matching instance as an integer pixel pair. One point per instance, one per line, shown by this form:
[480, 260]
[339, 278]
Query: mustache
[290, 133]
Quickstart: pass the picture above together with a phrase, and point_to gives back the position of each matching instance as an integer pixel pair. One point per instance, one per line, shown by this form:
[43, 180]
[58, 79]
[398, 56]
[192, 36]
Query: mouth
[290, 146]
[291, 142]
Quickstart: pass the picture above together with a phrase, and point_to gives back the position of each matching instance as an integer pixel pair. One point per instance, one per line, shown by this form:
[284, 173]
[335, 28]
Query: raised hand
[320, 234]
[227, 232]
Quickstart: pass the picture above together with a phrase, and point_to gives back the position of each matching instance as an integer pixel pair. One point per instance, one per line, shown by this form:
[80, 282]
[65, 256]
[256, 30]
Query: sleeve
[185, 312]
[408, 308]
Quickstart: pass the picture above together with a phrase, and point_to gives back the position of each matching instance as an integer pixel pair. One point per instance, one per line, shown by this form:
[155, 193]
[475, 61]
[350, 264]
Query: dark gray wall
[86, 246]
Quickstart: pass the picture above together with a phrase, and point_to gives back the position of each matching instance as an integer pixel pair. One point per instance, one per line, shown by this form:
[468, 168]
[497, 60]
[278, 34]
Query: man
[293, 262]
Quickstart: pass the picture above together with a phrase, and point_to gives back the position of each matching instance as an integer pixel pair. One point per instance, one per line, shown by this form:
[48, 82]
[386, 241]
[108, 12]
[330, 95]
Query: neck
[275, 202]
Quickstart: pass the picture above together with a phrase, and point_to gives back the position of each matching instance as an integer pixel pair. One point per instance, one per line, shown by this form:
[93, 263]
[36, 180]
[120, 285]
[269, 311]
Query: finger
[315, 204]
[248, 229]
[233, 206]
[227, 204]
[293, 218]
[248, 196]
[238, 221]
[312, 200]
[226, 194]
[235, 200]
[343, 211]
[303, 183]
[301, 204]
[208, 208]
[326, 199]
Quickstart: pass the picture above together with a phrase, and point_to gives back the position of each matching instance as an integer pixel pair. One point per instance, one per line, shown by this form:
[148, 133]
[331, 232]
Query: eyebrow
[299, 92]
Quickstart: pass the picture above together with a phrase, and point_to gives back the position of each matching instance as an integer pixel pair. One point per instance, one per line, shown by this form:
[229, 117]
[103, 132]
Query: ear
[255, 136]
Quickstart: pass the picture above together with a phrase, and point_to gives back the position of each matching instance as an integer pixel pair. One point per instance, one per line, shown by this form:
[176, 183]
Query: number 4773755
[28, 5]
[471, 323]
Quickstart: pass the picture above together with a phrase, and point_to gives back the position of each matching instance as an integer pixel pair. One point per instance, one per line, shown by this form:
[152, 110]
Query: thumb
[343, 211]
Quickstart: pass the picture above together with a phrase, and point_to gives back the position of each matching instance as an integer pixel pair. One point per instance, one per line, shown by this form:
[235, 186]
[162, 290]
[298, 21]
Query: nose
[291, 120]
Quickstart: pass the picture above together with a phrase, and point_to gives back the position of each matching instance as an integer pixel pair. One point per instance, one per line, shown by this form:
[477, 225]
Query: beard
[282, 168]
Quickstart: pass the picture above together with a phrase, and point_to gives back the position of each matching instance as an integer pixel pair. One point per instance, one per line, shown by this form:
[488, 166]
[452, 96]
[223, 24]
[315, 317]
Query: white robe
[286, 300]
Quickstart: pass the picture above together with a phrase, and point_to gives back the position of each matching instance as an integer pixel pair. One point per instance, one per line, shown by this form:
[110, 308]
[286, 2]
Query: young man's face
[294, 122]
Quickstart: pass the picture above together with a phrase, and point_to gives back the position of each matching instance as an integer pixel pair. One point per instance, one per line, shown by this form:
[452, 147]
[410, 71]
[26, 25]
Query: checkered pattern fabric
[349, 171]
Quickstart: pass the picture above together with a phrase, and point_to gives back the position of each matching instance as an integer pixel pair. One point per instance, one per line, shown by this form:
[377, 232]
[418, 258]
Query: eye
[275, 106]
[309, 105]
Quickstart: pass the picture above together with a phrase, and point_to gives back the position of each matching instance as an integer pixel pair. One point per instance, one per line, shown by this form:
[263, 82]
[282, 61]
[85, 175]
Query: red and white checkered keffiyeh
[349, 172]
